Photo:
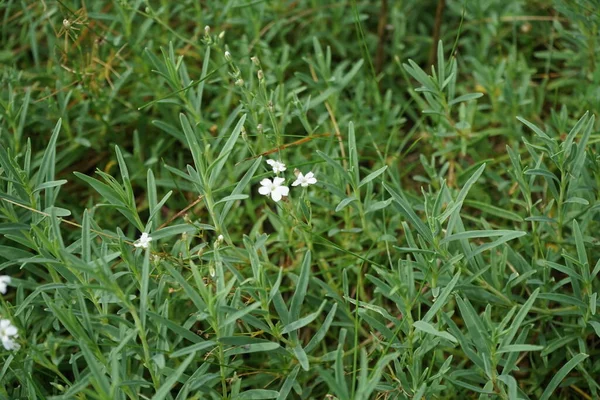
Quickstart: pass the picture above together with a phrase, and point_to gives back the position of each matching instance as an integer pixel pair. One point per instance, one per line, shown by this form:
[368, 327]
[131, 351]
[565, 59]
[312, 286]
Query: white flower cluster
[8, 332]
[275, 187]
[143, 241]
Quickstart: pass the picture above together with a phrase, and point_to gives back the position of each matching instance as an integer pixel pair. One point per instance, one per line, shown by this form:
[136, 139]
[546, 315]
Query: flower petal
[278, 181]
[284, 190]
[264, 190]
[276, 195]
[266, 182]
[11, 331]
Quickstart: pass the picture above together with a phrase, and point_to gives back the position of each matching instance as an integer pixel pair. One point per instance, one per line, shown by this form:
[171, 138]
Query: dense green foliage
[448, 249]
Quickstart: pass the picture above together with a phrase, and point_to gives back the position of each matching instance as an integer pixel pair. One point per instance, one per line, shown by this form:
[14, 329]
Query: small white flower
[8, 332]
[220, 238]
[143, 241]
[273, 188]
[305, 180]
[277, 166]
[4, 281]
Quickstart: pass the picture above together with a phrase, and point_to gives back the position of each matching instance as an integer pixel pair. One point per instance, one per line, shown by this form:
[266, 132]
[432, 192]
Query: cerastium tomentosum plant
[217, 200]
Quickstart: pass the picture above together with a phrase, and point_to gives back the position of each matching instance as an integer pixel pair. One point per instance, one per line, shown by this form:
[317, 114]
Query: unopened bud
[222, 35]
[259, 128]
[66, 23]
[239, 82]
[207, 30]
[227, 56]
[255, 61]
[261, 75]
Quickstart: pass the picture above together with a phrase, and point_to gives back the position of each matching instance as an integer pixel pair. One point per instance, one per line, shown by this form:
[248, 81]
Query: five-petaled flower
[8, 332]
[277, 166]
[4, 281]
[143, 241]
[273, 188]
[305, 180]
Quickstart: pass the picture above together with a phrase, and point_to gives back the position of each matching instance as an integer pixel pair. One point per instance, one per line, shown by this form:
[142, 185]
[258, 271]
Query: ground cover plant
[304, 199]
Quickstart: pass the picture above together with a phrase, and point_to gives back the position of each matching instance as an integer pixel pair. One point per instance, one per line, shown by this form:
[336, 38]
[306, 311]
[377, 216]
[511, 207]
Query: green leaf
[518, 348]
[287, 385]
[302, 322]
[407, 211]
[215, 168]
[166, 387]
[442, 299]
[493, 210]
[428, 328]
[542, 172]
[457, 205]
[372, 176]
[465, 97]
[48, 164]
[100, 380]
[478, 235]
[301, 356]
[145, 278]
[240, 313]
[561, 374]
[336, 166]
[256, 394]
[519, 318]
[252, 348]
[197, 347]
[322, 331]
[301, 287]
[232, 198]
[344, 203]
[173, 230]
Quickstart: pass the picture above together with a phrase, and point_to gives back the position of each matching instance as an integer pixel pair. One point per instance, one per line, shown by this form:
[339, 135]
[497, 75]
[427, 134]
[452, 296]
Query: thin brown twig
[180, 213]
[380, 54]
[284, 146]
[66, 221]
[336, 128]
[439, 13]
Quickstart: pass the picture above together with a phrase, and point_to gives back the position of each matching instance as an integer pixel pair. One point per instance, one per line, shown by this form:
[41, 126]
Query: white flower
[273, 188]
[277, 166]
[143, 241]
[305, 180]
[4, 281]
[8, 332]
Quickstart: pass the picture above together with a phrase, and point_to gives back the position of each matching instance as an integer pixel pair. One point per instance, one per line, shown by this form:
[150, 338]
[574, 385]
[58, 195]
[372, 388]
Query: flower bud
[261, 75]
[255, 61]
[259, 128]
[228, 56]
[206, 30]
[239, 82]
